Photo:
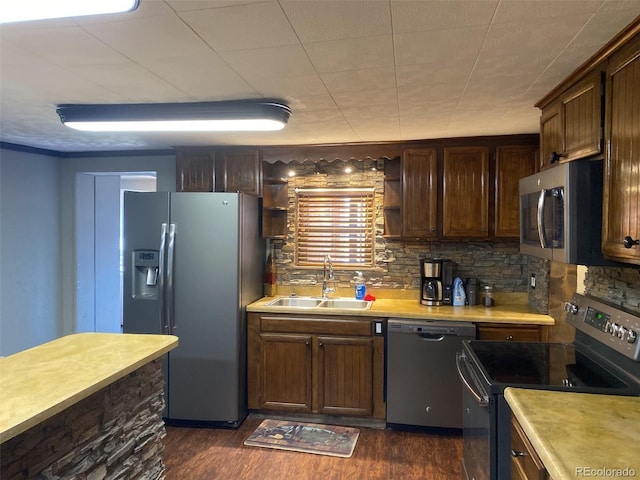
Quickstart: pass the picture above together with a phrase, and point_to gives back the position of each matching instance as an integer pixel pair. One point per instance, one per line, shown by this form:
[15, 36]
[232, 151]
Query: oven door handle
[481, 400]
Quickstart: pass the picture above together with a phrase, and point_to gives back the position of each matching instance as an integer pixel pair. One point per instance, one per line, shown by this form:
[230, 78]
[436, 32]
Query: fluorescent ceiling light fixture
[23, 10]
[227, 116]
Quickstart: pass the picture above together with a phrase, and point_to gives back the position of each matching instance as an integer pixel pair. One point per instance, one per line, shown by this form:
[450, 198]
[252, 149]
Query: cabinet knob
[629, 242]
[516, 453]
[509, 337]
[555, 157]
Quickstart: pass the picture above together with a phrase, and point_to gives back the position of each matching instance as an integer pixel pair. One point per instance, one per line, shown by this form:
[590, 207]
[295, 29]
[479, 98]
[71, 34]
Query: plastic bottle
[360, 286]
[270, 275]
[459, 297]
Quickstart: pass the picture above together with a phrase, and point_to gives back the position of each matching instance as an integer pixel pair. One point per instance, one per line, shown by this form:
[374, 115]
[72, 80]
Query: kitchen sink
[300, 302]
[348, 303]
[325, 303]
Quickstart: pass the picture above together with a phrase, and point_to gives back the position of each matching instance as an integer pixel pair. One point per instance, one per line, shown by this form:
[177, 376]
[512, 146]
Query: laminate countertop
[578, 435]
[37, 383]
[508, 309]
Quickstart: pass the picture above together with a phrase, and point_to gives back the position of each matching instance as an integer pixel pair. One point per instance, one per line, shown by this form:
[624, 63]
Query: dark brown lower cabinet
[525, 463]
[512, 332]
[286, 364]
[316, 364]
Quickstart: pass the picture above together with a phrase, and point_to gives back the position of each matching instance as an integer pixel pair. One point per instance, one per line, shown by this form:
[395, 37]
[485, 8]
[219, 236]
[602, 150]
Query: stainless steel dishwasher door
[423, 387]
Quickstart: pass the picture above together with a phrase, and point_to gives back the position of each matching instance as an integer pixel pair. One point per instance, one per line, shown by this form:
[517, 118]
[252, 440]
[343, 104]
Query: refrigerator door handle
[161, 280]
[170, 296]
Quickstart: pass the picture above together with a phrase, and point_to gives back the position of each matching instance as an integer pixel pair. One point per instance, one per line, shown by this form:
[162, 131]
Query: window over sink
[335, 221]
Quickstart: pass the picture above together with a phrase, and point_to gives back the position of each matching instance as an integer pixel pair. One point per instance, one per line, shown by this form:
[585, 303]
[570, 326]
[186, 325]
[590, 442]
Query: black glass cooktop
[542, 365]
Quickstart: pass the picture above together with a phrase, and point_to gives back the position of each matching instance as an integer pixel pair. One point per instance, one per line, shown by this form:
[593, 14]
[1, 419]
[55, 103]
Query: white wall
[30, 267]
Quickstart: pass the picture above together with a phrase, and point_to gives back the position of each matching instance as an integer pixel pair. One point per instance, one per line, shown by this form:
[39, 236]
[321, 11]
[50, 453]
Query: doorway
[98, 238]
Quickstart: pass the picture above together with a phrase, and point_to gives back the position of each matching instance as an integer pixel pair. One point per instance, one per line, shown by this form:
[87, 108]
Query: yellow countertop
[578, 435]
[515, 313]
[37, 383]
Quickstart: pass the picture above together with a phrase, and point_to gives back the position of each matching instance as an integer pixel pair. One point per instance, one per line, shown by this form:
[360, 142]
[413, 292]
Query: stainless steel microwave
[561, 213]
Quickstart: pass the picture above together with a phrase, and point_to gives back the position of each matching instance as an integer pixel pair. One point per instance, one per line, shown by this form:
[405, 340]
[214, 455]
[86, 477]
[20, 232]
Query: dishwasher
[423, 387]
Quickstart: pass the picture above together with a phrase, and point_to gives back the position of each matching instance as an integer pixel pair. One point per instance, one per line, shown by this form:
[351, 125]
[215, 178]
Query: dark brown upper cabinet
[465, 192]
[621, 205]
[419, 193]
[571, 126]
[512, 164]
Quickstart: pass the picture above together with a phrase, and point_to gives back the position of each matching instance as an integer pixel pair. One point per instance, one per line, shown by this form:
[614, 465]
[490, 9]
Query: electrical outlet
[533, 280]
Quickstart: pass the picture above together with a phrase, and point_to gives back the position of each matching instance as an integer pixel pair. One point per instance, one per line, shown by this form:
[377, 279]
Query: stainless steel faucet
[327, 275]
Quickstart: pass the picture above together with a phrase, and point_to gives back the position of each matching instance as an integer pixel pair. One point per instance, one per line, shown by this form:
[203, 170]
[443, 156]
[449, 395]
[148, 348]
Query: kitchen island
[578, 435]
[84, 405]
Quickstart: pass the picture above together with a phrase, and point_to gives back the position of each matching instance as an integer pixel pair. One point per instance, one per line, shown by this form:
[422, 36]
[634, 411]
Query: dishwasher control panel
[432, 327]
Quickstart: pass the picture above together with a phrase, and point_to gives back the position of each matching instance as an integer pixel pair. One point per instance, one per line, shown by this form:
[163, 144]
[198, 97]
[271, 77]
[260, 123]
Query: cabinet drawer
[525, 463]
[526, 333]
[316, 325]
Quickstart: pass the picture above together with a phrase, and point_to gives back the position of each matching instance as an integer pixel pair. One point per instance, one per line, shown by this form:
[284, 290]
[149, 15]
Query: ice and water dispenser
[145, 274]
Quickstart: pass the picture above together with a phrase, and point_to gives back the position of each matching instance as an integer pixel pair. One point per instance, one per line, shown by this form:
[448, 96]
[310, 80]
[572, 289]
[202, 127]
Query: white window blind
[337, 222]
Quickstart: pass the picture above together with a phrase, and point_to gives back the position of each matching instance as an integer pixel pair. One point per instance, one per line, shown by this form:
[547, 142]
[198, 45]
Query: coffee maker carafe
[431, 282]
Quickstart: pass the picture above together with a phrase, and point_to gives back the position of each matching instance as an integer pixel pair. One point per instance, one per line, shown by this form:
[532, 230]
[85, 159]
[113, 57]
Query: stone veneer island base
[86, 406]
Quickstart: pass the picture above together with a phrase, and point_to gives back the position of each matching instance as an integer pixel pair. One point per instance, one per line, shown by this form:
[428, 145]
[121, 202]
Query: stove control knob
[631, 336]
[614, 329]
[622, 332]
[571, 308]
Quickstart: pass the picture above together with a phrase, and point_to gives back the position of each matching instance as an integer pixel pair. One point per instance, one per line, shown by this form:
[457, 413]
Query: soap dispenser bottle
[360, 286]
[459, 297]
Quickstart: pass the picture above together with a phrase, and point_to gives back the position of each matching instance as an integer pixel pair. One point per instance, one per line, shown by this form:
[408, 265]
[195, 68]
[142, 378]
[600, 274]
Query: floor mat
[315, 438]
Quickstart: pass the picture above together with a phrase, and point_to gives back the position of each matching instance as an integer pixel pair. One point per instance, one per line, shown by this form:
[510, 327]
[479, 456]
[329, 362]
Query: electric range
[603, 359]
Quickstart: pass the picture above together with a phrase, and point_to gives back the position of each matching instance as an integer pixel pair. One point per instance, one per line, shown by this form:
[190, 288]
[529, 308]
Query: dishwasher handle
[430, 337]
[481, 400]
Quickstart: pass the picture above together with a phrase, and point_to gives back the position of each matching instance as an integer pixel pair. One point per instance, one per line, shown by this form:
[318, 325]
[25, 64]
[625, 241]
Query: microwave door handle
[541, 205]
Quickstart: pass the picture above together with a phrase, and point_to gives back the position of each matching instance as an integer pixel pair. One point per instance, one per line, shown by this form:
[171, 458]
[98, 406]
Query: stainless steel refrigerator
[192, 262]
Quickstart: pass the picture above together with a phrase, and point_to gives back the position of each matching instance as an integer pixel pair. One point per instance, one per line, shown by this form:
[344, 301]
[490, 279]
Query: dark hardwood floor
[204, 453]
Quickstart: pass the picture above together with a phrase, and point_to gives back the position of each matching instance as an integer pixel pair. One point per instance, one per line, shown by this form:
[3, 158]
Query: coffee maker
[431, 282]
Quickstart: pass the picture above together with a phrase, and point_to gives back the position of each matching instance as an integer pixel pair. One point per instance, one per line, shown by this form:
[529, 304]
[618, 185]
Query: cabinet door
[238, 170]
[512, 164]
[582, 118]
[510, 332]
[419, 193]
[551, 141]
[621, 207]
[195, 170]
[525, 462]
[345, 375]
[285, 372]
[465, 193]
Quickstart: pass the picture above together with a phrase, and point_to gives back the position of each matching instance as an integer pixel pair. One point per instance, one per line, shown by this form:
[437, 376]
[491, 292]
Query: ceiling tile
[204, 77]
[130, 81]
[241, 27]
[351, 100]
[444, 47]
[336, 20]
[356, 80]
[419, 16]
[351, 54]
[539, 12]
[289, 85]
[150, 38]
[269, 62]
